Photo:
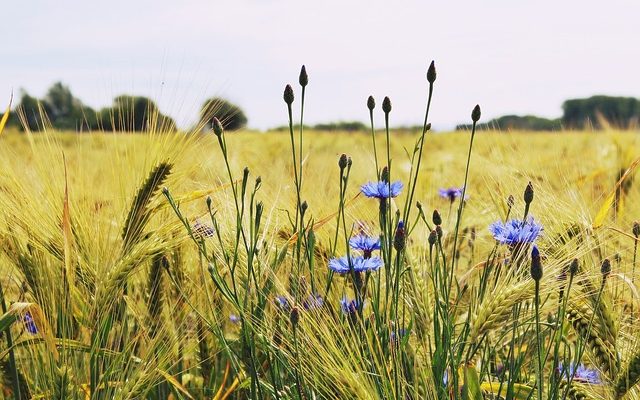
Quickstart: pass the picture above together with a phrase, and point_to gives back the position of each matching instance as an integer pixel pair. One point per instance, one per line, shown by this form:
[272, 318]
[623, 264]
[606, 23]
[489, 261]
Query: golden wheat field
[155, 266]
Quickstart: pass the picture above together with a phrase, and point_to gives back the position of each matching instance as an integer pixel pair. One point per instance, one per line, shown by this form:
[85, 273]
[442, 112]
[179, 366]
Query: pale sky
[510, 56]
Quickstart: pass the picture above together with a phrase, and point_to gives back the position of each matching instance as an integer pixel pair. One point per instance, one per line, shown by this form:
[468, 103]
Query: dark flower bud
[399, 238]
[528, 193]
[636, 229]
[433, 237]
[349, 162]
[419, 205]
[536, 264]
[258, 181]
[303, 207]
[439, 231]
[605, 268]
[574, 267]
[209, 201]
[217, 127]
[431, 72]
[342, 162]
[475, 114]
[436, 218]
[371, 103]
[510, 201]
[384, 176]
[245, 173]
[294, 316]
[165, 190]
[428, 127]
[386, 105]
[304, 78]
[288, 94]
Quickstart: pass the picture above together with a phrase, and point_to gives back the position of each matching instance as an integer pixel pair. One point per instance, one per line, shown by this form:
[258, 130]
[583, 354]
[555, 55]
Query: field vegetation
[293, 265]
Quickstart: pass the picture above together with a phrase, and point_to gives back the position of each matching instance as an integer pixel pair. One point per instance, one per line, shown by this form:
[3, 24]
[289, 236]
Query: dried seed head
[510, 201]
[342, 162]
[433, 237]
[475, 114]
[605, 268]
[386, 105]
[217, 127]
[304, 78]
[636, 229]
[436, 218]
[574, 267]
[371, 103]
[528, 193]
[288, 94]
[536, 264]
[431, 72]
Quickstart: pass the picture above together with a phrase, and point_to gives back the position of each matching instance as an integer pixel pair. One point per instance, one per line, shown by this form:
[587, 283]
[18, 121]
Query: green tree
[134, 114]
[231, 115]
[618, 111]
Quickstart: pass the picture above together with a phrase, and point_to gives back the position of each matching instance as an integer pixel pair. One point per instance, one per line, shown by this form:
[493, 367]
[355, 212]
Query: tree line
[61, 110]
[595, 112]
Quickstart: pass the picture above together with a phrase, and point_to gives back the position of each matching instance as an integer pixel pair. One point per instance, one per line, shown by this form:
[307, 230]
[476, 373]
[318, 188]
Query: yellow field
[116, 321]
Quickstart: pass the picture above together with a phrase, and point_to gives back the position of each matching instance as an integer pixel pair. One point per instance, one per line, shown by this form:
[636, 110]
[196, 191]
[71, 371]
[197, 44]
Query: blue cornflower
[364, 243]
[382, 189]
[29, 323]
[400, 335]
[313, 301]
[359, 264]
[234, 318]
[515, 231]
[201, 230]
[451, 193]
[583, 374]
[349, 307]
[282, 302]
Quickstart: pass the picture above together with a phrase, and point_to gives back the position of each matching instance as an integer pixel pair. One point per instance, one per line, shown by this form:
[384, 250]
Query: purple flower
[201, 230]
[313, 301]
[366, 244]
[359, 264]
[381, 189]
[515, 231]
[451, 193]
[349, 307]
[234, 318]
[582, 374]
[400, 335]
[282, 302]
[29, 323]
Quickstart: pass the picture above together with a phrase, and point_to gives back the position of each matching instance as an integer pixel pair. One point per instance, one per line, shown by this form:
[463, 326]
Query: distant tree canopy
[58, 108]
[517, 122]
[61, 110]
[340, 126]
[134, 114]
[621, 112]
[230, 115]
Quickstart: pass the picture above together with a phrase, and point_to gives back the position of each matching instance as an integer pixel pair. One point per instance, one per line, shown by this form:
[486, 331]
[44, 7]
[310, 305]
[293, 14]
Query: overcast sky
[510, 56]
